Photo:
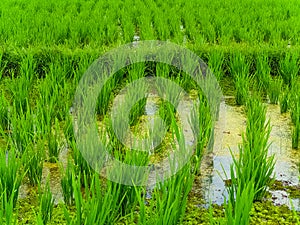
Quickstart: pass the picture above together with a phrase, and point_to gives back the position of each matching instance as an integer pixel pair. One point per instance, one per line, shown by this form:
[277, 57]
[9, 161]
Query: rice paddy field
[245, 163]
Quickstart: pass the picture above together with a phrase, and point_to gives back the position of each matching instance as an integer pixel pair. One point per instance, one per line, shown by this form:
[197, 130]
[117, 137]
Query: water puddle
[286, 168]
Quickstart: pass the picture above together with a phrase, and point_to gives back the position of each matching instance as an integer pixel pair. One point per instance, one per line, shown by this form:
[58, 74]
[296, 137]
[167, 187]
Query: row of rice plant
[34, 132]
[26, 24]
[252, 172]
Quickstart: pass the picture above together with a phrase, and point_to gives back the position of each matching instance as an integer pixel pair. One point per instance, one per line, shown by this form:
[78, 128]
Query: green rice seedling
[135, 97]
[296, 135]
[53, 142]
[162, 70]
[241, 90]
[127, 193]
[33, 160]
[294, 104]
[3, 64]
[22, 129]
[81, 165]
[239, 68]
[274, 90]
[253, 153]
[240, 201]
[7, 206]
[66, 184]
[4, 112]
[45, 113]
[295, 112]
[215, 63]
[103, 206]
[169, 197]
[10, 176]
[78, 203]
[68, 129]
[171, 95]
[27, 67]
[201, 125]
[46, 204]
[104, 98]
[288, 68]
[20, 88]
[97, 204]
[283, 101]
[263, 72]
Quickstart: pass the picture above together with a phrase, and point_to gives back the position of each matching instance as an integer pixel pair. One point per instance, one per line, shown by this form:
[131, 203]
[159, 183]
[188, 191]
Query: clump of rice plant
[263, 71]
[215, 63]
[105, 95]
[53, 142]
[253, 162]
[201, 125]
[11, 176]
[274, 90]
[288, 68]
[67, 185]
[296, 135]
[283, 101]
[22, 129]
[171, 95]
[97, 204]
[69, 130]
[169, 196]
[239, 68]
[240, 201]
[19, 88]
[4, 112]
[7, 206]
[294, 105]
[46, 204]
[33, 161]
[81, 164]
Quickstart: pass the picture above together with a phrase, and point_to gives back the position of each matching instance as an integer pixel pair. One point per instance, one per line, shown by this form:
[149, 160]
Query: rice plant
[7, 206]
[4, 112]
[289, 68]
[215, 63]
[240, 201]
[53, 142]
[283, 101]
[263, 71]
[33, 160]
[46, 204]
[201, 125]
[97, 205]
[20, 88]
[22, 129]
[67, 183]
[169, 197]
[11, 176]
[274, 90]
[296, 135]
[239, 68]
[253, 162]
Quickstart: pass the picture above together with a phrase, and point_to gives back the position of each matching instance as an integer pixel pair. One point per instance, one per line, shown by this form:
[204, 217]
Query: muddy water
[216, 163]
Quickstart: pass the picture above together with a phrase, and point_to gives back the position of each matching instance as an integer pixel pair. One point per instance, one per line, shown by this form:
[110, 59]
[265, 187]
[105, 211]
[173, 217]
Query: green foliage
[46, 204]
[239, 68]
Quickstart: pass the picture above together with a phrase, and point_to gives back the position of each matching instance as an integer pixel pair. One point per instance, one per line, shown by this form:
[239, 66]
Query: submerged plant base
[261, 213]
[293, 190]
